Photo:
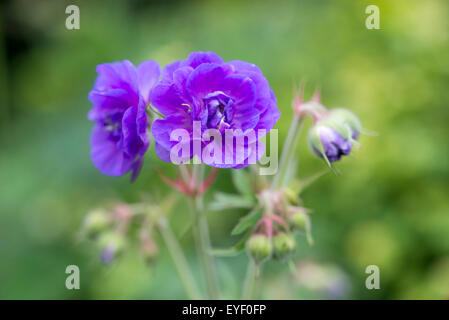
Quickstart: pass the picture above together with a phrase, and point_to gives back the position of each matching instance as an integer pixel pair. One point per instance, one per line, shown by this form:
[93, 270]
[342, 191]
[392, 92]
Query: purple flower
[216, 95]
[328, 143]
[120, 137]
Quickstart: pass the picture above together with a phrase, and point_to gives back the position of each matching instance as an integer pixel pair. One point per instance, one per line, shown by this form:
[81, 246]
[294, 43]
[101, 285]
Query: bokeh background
[389, 207]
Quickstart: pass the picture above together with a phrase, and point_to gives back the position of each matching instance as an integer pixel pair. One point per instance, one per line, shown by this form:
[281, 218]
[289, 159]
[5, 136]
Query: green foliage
[284, 245]
[242, 182]
[224, 201]
[234, 249]
[248, 221]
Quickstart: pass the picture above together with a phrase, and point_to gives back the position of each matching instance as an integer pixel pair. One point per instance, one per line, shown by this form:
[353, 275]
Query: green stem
[250, 281]
[202, 243]
[288, 151]
[201, 235]
[179, 259]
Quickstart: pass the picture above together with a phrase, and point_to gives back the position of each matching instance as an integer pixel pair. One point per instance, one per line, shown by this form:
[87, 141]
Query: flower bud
[350, 119]
[111, 245]
[299, 220]
[284, 246]
[259, 247]
[95, 222]
[330, 139]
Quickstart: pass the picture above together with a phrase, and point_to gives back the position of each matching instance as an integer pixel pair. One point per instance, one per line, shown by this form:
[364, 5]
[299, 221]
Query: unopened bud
[259, 247]
[95, 222]
[299, 220]
[284, 246]
[329, 139]
[111, 245]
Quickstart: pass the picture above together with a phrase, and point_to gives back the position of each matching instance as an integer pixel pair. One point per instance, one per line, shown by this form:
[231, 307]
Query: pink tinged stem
[280, 221]
[204, 186]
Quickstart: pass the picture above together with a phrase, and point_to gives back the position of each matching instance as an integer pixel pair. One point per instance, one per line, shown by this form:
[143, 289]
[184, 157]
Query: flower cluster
[202, 89]
[273, 234]
[215, 112]
[109, 229]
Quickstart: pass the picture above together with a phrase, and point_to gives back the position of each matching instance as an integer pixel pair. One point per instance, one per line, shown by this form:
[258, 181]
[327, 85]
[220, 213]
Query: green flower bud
[95, 222]
[284, 246]
[259, 247]
[299, 220]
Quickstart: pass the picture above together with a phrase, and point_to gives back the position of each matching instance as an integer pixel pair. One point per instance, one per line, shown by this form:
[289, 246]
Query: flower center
[220, 110]
[113, 125]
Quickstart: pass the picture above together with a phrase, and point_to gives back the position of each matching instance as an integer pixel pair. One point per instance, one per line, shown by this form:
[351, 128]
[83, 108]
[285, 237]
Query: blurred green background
[389, 207]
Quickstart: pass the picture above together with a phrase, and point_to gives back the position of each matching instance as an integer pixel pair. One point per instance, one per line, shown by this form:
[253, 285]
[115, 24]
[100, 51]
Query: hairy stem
[250, 281]
[179, 259]
[288, 151]
[201, 235]
[202, 243]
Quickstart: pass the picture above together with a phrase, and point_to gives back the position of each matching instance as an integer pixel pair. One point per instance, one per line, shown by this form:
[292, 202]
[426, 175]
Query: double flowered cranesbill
[120, 136]
[216, 95]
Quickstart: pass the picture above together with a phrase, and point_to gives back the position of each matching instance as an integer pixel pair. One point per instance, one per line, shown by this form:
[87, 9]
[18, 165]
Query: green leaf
[242, 182]
[247, 221]
[224, 201]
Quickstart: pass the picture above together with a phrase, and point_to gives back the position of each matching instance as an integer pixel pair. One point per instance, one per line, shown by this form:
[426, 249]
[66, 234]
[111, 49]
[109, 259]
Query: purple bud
[111, 245]
[107, 255]
[328, 142]
[355, 135]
